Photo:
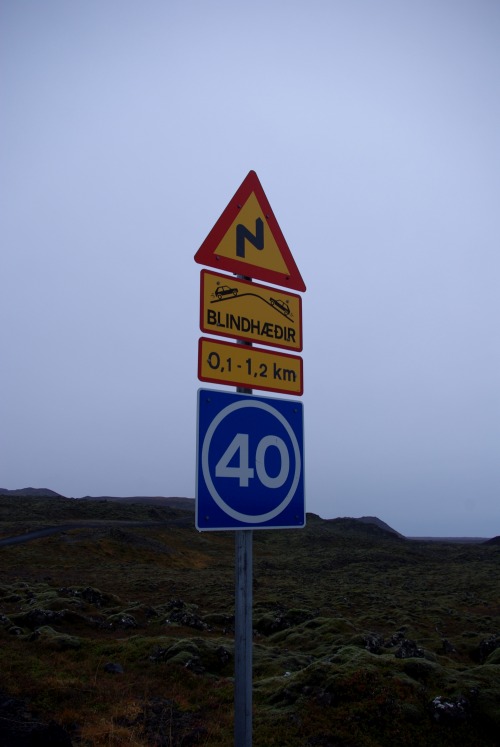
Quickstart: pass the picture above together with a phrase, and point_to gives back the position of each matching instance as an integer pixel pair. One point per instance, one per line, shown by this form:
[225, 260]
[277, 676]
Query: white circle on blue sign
[273, 463]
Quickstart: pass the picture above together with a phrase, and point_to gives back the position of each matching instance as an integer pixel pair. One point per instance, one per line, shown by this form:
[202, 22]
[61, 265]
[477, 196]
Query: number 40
[243, 472]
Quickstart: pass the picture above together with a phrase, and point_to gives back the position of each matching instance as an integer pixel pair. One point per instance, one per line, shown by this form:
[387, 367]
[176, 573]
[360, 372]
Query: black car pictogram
[225, 290]
[280, 305]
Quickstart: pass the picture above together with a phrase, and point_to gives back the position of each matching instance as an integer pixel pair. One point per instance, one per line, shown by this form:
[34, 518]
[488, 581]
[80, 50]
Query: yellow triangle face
[250, 240]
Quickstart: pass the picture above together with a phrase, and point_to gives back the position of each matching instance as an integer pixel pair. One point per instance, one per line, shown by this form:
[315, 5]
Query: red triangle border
[206, 254]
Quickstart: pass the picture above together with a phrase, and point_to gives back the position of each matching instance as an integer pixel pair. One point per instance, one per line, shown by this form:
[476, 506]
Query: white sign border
[237, 515]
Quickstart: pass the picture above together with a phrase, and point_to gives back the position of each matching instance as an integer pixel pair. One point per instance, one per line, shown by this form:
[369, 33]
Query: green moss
[324, 664]
[494, 658]
[49, 638]
[421, 670]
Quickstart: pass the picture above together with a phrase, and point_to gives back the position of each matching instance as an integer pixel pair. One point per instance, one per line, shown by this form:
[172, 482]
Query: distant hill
[493, 541]
[32, 493]
[379, 523]
[369, 524]
[186, 504]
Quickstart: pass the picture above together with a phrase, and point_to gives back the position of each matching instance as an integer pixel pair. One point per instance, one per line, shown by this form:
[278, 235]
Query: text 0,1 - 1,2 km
[250, 367]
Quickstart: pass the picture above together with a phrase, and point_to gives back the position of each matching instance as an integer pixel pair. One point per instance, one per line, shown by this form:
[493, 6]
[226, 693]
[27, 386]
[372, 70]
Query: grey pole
[243, 627]
[243, 640]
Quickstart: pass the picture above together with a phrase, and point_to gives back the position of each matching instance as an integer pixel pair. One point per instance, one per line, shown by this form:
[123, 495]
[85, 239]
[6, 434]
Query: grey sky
[375, 131]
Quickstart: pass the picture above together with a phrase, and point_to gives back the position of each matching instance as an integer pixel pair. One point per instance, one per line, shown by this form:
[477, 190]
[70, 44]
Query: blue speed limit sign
[250, 462]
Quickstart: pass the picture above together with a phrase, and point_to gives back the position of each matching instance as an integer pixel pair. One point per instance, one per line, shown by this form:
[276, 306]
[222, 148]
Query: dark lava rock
[92, 596]
[51, 735]
[322, 740]
[318, 694]
[19, 727]
[195, 665]
[97, 598]
[180, 614]
[165, 725]
[35, 618]
[395, 639]
[123, 620]
[448, 648]
[373, 643]
[449, 710]
[113, 668]
[223, 655]
[487, 646]
[409, 650]
[158, 654]
[281, 619]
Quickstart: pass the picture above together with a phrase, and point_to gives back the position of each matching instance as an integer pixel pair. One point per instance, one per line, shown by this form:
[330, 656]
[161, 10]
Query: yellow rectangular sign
[249, 311]
[252, 368]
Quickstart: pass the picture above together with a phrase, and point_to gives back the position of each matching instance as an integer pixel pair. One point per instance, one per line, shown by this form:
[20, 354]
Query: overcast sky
[374, 128]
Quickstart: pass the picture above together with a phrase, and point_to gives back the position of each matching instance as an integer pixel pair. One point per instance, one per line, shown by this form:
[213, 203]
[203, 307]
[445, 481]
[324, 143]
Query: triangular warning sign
[247, 240]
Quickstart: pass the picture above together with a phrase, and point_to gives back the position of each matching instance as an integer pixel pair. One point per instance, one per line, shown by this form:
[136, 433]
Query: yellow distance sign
[252, 368]
[250, 311]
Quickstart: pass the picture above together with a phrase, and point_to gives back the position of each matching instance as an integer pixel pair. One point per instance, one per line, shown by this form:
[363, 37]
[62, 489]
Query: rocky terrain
[118, 630]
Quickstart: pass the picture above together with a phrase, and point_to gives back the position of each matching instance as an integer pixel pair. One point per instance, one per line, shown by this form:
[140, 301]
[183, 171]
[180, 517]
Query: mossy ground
[356, 634]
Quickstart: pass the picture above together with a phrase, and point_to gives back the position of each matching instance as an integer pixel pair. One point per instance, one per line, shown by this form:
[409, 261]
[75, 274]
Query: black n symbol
[242, 234]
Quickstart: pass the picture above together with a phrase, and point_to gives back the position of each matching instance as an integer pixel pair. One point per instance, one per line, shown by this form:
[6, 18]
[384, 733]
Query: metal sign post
[243, 628]
[250, 472]
[243, 639]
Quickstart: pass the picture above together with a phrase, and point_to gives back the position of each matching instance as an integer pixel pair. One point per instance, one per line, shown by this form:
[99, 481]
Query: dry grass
[332, 605]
